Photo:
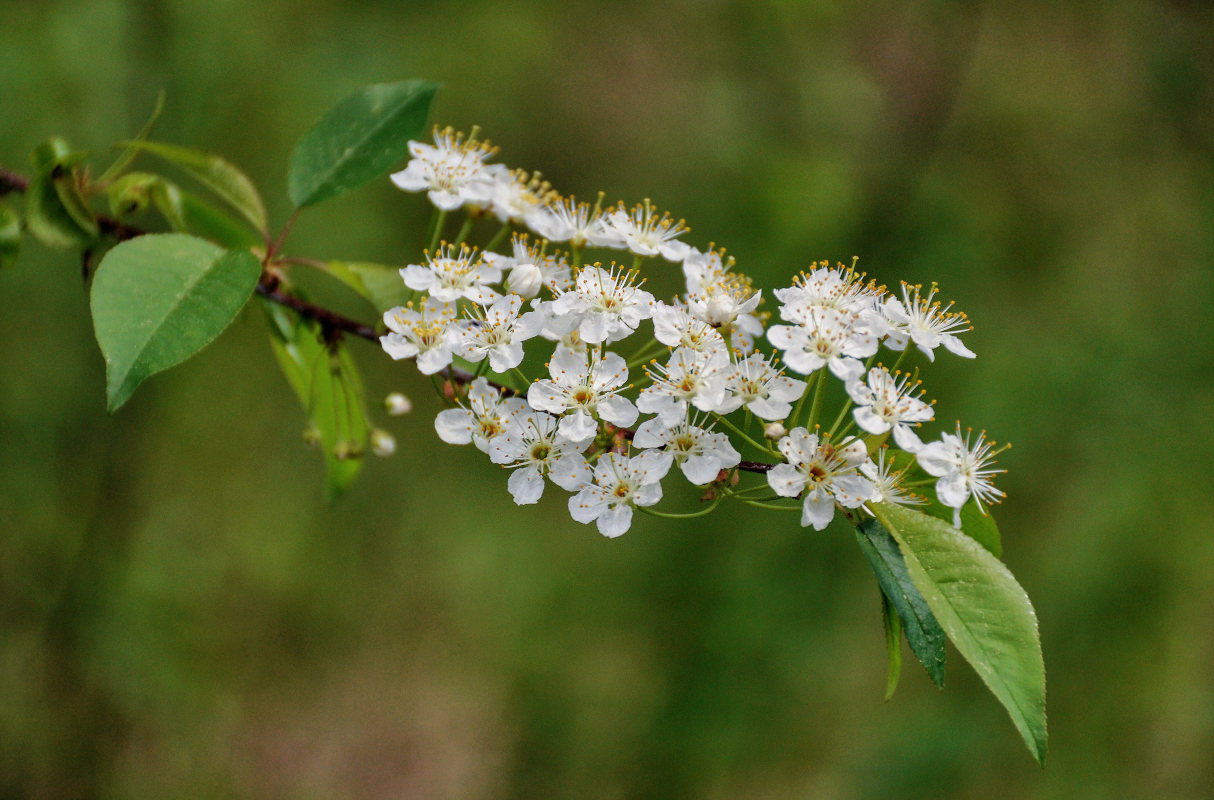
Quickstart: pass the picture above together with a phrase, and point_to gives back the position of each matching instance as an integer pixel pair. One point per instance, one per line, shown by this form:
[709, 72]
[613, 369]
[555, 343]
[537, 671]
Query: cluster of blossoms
[484, 321]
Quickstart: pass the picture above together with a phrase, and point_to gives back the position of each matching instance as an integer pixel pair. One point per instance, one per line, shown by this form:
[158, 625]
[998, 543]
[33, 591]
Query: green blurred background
[182, 615]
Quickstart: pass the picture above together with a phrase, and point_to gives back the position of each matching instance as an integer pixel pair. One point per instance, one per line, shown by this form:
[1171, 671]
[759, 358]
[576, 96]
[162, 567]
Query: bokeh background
[182, 614]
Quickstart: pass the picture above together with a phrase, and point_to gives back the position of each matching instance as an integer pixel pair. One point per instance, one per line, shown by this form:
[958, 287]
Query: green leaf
[48, 220]
[360, 139]
[976, 525]
[982, 608]
[327, 383]
[379, 284]
[923, 632]
[159, 299]
[893, 645]
[225, 180]
[10, 236]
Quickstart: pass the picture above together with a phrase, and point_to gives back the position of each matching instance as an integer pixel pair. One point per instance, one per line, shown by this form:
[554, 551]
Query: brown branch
[330, 321]
[12, 182]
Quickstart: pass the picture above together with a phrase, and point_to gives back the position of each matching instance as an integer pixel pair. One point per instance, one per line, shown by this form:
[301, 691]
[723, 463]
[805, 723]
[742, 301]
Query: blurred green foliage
[182, 614]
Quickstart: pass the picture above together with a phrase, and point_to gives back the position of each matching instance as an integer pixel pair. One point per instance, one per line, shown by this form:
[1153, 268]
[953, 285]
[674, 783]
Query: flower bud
[525, 280]
[774, 430]
[397, 405]
[312, 435]
[382, 443]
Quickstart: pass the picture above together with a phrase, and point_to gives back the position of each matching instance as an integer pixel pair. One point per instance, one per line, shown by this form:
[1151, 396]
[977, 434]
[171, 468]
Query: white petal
[570, 472]
[952, 490]
[701, 469]
[526, 485]
[544, 395]
[587, 504]
[455, 425]
[906, 438]
[618, 410]
[578, 426]
[616, 521]
[953, 345]
[786, 480]
[818, 510]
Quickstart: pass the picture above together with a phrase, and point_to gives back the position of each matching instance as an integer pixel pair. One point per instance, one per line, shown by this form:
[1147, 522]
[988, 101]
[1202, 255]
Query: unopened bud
[382, 443]
[397, 405]
[774, 430]
[347, 450]
[525, 280]
[311, 436]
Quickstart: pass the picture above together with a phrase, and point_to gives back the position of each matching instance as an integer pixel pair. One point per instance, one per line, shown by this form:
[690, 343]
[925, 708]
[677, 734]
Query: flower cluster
[566, 370]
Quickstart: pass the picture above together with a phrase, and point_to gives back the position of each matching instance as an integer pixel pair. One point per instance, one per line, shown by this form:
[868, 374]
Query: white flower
[885, 402]
[964, 470]
[645, 233]
[826, 474]
[619, 484]
[452, 171]
[765, 390]
[534, 447]
[701, 454]
[453, 273]
[606, 304]
[688, 378]
[581, 389]
[518, 197]
[722, 301]
[702, 269]
[829, 337]
[887, 484]
[500, 334]
[923, 321]
[567, 221]
[673, 326]
[489, 414]
[427, 334]
[722, 298]
[840, 288]
[531, 268]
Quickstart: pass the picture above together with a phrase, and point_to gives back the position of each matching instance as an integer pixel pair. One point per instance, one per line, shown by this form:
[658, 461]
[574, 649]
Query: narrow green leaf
[923, 632]
[360, 139]
[976, 525]
[326, 381]
[982, 608]
[893, 645]
[221, 177]
[129, 152]
[48, 220]
[159, 299]
[379, 284]
[10, 236]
